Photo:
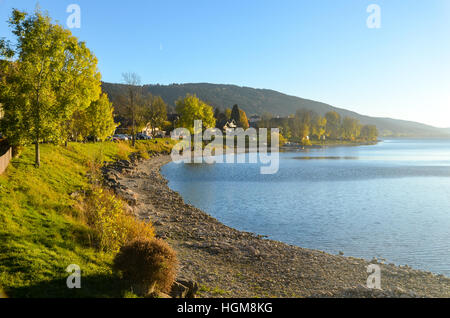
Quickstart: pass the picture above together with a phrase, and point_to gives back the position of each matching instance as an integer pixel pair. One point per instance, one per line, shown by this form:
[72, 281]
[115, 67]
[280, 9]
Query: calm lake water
[388, 201]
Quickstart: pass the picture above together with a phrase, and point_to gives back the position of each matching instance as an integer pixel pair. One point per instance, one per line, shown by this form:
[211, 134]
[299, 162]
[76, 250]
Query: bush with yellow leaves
[112, 225]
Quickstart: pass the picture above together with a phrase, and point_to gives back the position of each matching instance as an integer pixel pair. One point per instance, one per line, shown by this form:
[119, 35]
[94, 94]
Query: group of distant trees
[136, 110]
[304, 126]
[307, 125]
[192, 108]
[235, 114]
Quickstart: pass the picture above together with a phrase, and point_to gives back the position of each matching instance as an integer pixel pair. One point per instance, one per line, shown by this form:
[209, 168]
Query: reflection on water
[388, 201]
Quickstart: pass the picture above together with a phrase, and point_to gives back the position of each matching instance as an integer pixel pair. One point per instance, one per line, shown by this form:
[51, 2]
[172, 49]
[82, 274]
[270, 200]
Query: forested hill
[259, 101]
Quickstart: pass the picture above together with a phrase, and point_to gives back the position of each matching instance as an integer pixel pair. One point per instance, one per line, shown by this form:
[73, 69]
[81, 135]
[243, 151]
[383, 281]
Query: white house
[229, 126]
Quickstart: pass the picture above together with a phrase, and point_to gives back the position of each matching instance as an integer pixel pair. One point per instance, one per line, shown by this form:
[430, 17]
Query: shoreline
[330, 145]
[226, 262]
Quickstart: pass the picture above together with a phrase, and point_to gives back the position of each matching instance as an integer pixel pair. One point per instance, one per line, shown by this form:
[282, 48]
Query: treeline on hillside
[307, 125]
[260, 101]
[253, 101]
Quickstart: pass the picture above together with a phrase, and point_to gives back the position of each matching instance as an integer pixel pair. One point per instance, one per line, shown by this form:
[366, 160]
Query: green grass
[40, 233]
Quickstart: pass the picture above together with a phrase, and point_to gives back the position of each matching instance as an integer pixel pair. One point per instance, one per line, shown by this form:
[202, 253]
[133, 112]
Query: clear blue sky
[319, 49]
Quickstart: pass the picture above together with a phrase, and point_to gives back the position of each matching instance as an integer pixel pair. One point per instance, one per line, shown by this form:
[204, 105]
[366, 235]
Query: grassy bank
[41, 232]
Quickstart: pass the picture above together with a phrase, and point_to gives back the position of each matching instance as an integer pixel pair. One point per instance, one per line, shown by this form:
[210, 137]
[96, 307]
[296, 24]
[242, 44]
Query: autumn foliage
[149, 265]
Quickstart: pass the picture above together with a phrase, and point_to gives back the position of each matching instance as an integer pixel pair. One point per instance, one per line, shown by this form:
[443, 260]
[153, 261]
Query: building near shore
[229, 126]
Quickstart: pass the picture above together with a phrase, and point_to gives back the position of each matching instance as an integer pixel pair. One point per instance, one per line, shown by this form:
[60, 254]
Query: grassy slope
[40, 234]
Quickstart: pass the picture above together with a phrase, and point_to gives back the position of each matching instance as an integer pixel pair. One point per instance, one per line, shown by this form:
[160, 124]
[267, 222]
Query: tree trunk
[38, 155]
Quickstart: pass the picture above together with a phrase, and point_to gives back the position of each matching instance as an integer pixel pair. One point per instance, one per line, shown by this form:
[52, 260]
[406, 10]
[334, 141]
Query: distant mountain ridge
[259, 101]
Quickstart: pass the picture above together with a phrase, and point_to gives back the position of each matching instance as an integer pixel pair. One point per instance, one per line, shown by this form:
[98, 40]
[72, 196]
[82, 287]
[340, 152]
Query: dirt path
[229, 263]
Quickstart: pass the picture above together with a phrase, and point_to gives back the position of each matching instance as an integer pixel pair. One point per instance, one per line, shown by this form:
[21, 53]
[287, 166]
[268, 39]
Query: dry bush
[136, 229]
[112, 226]
[149, 265]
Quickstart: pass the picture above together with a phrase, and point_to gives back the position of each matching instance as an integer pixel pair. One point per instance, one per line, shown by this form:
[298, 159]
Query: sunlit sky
[321, 50]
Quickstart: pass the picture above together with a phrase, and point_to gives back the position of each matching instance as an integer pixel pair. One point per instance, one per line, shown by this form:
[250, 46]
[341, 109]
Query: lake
[390, 201]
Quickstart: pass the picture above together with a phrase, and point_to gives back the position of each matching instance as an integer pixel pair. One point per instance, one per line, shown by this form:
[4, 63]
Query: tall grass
[112, 225]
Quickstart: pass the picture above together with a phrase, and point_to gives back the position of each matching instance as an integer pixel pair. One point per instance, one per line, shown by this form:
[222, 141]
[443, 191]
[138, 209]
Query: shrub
[136, 229]
[112, 226]
[149, 265]
[94, 173]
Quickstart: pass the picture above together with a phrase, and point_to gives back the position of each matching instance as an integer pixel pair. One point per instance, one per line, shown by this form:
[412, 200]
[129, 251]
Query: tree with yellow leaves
[54, 75]
[192, 108]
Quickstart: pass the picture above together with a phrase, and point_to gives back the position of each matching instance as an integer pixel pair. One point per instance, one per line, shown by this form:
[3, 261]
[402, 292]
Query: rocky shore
[229, 263]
